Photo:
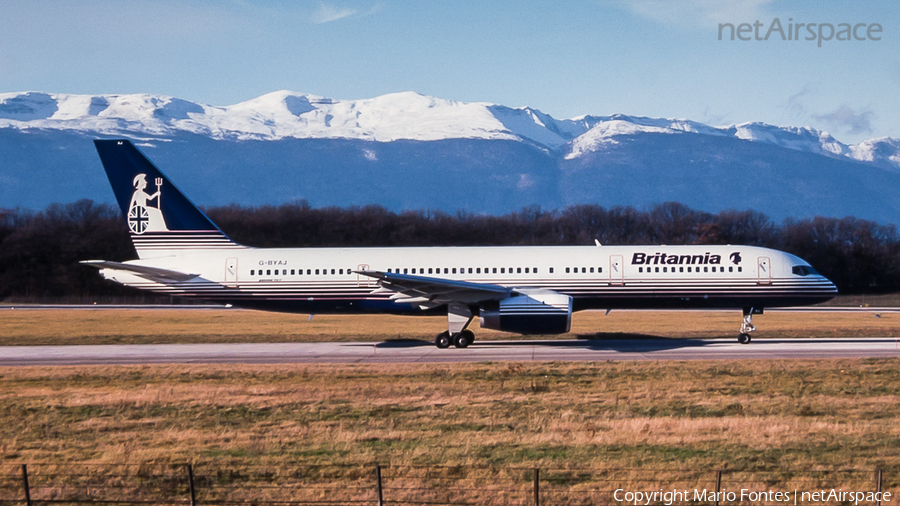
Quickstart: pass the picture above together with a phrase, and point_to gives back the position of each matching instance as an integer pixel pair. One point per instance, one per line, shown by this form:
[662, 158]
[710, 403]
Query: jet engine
[529, 311]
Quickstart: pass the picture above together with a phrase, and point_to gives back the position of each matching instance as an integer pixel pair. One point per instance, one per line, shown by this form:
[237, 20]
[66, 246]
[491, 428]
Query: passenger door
[763, 271]
[616, 270]
[231, 272]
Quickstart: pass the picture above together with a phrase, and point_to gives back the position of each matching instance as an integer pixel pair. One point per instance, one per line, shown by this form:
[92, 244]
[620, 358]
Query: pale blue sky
[641, 57]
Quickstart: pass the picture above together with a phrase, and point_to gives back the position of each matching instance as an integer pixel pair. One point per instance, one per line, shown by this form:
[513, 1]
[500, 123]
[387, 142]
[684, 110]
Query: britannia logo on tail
[141, 217]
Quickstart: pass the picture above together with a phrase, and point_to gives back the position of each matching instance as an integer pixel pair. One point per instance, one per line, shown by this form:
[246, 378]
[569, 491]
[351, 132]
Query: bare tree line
[39, 251]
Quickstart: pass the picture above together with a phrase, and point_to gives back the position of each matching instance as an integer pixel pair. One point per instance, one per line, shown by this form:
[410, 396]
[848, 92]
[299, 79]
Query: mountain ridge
[396, 116]
[408, 151]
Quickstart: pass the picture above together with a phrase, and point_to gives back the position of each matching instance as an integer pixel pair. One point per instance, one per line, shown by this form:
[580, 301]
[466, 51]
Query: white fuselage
[596, 277]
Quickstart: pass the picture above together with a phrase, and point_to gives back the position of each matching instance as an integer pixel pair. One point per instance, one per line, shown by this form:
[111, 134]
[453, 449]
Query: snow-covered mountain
[392, 117]
[476, 156]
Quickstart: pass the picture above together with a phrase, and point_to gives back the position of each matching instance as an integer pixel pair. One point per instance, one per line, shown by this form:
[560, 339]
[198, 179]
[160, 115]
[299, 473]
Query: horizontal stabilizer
[151, 273]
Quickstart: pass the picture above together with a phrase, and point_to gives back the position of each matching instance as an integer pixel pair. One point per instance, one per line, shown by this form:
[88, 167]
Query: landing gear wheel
[747, 326]
[463, 339]
[442, 340]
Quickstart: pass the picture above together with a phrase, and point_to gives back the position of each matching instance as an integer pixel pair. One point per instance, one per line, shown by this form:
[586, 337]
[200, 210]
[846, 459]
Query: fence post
[378, 488]
[537, 487]
[190, 471]
[878, 475]
[718, 485]
[25, 483]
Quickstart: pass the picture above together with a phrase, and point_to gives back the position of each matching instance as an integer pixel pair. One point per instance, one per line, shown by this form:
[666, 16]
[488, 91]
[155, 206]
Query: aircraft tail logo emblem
[141, 217]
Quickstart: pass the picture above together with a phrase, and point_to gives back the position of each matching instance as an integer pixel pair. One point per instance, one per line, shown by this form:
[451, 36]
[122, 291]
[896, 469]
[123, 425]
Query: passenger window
[640, 269]
[478, 270]
[446, 270]
[664, 269]
[567, 270]
[341, 271]
[495, 270]
[599, 269]
[430, 271]
[251, 272]
[268, 272]
[730, 269]
[551, 270]
[657, 269]
[592, 270]
[503, 270]
[526, 270]
[584, 270]
[470, 270]
[454, 270]
[518, 270]
[534, 270]
[405, 270]
[706, 269]
[292, 272]
[740, 269]
[681, 269]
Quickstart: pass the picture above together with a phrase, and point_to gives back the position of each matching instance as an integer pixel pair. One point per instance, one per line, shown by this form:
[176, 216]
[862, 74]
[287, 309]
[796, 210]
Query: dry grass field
[142, 326]
[736, 414]
[643, 417]
[590, 426]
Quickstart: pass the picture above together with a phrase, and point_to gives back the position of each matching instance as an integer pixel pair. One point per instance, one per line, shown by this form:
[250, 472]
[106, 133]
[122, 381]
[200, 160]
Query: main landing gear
[459, 316]
[747, 327]
[460, 339]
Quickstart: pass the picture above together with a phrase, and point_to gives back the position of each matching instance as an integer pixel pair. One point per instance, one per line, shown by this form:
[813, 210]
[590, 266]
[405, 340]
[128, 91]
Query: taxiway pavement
[425, 352]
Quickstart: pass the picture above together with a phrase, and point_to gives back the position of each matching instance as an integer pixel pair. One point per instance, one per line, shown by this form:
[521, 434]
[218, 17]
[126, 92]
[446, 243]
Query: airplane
[518, 289]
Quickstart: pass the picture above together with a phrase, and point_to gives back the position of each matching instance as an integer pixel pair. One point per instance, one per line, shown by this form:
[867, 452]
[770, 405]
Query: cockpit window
[803, 270]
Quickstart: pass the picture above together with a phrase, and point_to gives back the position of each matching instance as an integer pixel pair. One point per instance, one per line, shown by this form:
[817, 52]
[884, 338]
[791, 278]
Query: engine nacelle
[530, 311]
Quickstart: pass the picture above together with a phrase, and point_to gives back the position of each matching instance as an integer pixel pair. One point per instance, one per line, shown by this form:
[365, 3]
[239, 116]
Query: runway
[396, 352]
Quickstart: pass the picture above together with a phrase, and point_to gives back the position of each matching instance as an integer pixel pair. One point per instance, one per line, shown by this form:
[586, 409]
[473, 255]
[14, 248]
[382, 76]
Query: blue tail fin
[163, 221]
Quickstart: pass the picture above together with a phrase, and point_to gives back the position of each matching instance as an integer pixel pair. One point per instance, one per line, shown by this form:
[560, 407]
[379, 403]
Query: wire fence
[193, 485]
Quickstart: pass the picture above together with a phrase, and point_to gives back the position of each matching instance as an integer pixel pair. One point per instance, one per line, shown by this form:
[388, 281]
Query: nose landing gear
[747, 326]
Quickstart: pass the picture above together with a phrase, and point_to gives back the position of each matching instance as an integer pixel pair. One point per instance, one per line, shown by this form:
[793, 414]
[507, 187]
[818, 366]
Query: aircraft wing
[146, 272]
[428, 292]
